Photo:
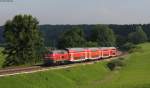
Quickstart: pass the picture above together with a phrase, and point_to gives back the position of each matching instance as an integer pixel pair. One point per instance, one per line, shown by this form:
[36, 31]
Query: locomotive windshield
[56, 52]
[50, 52]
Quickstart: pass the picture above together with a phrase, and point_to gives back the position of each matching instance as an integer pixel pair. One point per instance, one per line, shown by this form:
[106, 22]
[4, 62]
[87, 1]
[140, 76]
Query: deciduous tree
[23, 40]
[139, 36]
[72, 38]
[104, 36]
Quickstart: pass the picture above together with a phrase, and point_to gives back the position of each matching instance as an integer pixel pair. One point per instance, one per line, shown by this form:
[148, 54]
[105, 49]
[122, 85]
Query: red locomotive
[79, 54]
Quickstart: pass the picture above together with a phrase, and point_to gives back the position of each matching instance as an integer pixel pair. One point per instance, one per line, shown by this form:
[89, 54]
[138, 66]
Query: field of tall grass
[135, 74]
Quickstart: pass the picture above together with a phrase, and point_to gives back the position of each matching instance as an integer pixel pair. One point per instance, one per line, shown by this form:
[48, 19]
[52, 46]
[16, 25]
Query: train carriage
[105, 52]
[77, 54]
[94, 53]
[113, 51]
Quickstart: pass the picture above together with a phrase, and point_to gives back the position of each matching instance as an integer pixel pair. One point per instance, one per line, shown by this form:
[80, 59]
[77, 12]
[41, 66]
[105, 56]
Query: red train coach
[113, 51]
[105, 52]
[108, 52]
[94, 53]
[77, 54]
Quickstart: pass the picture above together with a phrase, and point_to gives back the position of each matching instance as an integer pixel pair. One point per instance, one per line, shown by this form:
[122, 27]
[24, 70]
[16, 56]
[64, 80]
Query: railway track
[33, 69]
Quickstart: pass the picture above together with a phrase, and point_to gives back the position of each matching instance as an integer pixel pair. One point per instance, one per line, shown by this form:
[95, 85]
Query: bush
[117, 63]
[136, 49]
[128, 46]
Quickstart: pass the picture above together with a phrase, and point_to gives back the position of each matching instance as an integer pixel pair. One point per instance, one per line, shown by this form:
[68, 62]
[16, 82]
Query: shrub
[136, 49]
[117, 63]
[128, 46]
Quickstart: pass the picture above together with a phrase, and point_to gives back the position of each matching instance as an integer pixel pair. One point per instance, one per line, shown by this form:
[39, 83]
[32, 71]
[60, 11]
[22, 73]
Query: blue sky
[79, 11]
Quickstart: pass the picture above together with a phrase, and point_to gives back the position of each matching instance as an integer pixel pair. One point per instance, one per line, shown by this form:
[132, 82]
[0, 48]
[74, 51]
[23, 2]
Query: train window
[79, 57]
[94, 50]
[95, 56]
[62, 57]
[76, 57]
[105, 54]
[62, 52]
[113, 53]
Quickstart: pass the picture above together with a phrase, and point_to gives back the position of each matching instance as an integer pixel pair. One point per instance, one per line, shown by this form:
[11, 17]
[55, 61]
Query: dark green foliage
[72, 38]
[128, 46]
[120, 40]
[138, 36]
[136, 49]
[117, 63]
[146, 29]
[91, 44]
[104, 36]
[52, 32]
[23, 41]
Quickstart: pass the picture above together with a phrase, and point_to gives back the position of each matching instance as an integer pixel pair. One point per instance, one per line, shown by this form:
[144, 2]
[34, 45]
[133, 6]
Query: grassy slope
[134, 75]
[63, 78]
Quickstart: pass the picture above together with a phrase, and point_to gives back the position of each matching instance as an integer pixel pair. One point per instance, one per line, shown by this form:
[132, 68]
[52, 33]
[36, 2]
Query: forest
[51, 33]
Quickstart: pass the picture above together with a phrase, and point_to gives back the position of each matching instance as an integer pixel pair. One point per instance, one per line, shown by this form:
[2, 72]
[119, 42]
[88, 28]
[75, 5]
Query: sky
[79, 11]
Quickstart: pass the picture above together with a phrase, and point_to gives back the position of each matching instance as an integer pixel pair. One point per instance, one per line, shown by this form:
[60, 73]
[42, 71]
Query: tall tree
[104, 36]
[23, 40]
[139, 36]
[72, 38]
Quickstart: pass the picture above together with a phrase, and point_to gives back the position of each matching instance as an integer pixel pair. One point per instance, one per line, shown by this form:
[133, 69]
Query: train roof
[76, 49]
[58, 51]
[92, 48]
[107, 47]
[79, 49]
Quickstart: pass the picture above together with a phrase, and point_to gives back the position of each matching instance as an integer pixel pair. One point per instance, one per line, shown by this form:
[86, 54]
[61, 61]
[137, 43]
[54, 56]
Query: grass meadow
[135, 74]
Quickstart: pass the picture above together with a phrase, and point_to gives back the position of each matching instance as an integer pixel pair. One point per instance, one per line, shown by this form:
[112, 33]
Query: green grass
[63, 78]
[2, 56]
[136, 74]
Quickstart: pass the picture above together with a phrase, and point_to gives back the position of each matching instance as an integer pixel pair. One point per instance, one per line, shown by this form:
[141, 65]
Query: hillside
[134, 75]
[136, 72]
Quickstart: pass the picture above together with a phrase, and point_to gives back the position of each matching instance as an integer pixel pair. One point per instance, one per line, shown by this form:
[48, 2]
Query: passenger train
[79, 54]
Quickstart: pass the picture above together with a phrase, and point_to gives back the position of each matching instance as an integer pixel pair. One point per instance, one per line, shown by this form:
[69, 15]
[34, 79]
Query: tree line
[101, 36]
